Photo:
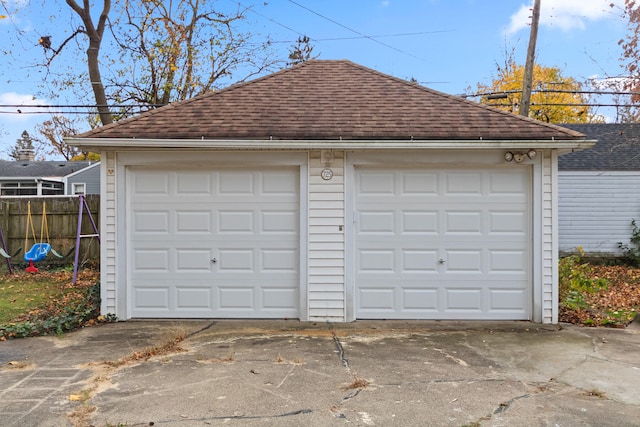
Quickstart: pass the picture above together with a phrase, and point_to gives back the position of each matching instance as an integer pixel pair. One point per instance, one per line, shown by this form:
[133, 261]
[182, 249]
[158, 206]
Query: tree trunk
[95, 39]
[96, 83]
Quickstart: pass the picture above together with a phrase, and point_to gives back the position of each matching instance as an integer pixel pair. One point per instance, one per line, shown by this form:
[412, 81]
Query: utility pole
[528, 68]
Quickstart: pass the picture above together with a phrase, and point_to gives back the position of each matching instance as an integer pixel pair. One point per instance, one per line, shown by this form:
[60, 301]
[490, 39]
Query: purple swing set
[40, 250]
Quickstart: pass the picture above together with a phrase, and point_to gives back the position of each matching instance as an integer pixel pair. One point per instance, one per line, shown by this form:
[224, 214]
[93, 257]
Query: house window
[19, 188]
[52, 188]
[78, 188]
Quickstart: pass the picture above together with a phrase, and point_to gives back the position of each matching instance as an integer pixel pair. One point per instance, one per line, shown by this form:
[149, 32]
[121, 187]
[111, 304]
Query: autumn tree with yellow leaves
[554, 99]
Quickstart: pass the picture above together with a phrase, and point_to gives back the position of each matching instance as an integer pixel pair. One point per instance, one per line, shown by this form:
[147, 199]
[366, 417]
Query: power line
[332, 39]
[353, 31]
[272, 20]
[48, 112]
[79, 105]
[25, 109]
[585, 92]
[550, 104]
[626, 105]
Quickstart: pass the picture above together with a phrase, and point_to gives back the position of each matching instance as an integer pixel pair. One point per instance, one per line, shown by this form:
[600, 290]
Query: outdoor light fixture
[519, 156]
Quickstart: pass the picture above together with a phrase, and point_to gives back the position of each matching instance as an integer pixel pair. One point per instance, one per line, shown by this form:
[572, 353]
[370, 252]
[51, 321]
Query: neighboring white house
[598, 190]
[330, 191]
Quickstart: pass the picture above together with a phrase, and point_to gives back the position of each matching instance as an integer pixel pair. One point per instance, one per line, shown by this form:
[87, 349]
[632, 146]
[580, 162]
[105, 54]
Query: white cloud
[12, 14]
[16, 109]
[565, 14]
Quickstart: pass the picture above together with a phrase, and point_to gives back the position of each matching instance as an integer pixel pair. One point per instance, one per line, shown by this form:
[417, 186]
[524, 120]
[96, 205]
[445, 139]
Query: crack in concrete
[504, 406]
[351, 394]
[450, 381]
[209, 326]
[336, 340]
[227, 417]
[597, 357]
[336, 409]
[341, 356]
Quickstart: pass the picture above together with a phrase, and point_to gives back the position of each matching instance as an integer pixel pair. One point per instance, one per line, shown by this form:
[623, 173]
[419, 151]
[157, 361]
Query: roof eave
[32, 178]
[137, 143]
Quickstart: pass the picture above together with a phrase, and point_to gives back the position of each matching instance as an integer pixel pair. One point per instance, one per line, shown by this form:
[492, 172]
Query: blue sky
[447, 45]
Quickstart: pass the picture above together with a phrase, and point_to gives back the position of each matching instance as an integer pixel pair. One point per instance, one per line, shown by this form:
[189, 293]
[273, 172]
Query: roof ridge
[323, 99]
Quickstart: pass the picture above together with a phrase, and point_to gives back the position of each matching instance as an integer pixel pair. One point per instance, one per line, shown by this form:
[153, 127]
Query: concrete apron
[288, 373]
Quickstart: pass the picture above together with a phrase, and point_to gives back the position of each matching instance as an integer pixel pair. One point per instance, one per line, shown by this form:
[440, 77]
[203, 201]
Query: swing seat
[56, 254]
[38, 252]
[8, 255]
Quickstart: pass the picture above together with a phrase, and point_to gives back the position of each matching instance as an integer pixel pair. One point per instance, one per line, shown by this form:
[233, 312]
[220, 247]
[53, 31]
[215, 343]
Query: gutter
[480, 144]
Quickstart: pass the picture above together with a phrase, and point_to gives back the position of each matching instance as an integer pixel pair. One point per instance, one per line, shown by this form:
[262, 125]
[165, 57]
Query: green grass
[47, 302]
[23, 292]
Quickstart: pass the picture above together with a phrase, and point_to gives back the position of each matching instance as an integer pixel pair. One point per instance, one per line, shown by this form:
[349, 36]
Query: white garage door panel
[442, 244]
[245, 220]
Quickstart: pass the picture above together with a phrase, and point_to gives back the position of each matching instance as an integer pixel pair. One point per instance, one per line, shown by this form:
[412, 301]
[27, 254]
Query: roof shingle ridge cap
[257, 79]
[275, 74]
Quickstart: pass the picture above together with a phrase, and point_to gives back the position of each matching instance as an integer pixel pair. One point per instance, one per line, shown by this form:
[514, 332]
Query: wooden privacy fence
[62, 223]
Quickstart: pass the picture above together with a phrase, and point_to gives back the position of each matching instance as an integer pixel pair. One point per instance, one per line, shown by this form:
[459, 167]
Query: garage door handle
[213, 260]
[440, 261]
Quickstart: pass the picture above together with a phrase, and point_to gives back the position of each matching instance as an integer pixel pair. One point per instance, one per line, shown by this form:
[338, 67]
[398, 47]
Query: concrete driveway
[289, 373]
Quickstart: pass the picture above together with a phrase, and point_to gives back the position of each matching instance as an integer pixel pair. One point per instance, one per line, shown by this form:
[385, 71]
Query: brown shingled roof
[330, 100]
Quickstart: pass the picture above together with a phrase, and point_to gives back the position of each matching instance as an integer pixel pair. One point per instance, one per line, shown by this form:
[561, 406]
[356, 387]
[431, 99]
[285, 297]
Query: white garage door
[221, 243]
[443, 244]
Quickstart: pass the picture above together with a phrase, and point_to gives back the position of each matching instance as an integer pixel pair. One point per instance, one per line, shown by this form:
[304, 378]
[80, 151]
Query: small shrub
[574, 300]
[576, 276]
[631, 251]
[575, 280]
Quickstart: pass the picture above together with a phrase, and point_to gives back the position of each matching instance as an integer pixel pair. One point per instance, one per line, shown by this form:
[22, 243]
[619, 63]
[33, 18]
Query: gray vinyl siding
[596, 210]
[89, 176]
